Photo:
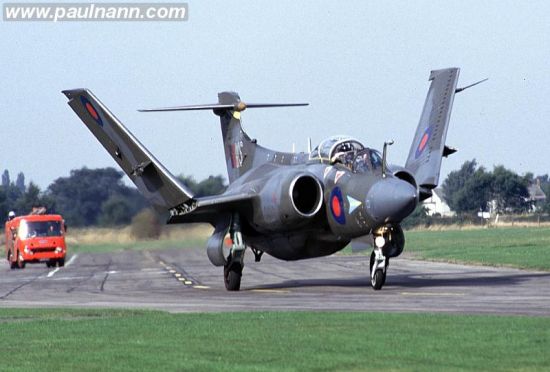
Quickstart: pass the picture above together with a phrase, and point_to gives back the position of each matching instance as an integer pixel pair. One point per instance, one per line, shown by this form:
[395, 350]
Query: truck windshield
[28, 229]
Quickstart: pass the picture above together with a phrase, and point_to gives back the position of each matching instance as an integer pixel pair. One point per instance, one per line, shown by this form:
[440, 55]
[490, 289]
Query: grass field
[84, 340]
[517, 247]
[111, 239]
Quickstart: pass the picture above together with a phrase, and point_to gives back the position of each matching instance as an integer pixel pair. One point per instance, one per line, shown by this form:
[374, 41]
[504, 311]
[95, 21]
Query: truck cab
[35, 239]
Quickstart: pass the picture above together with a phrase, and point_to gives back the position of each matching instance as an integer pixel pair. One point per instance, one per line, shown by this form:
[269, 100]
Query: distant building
[536, 195]
[436, 205]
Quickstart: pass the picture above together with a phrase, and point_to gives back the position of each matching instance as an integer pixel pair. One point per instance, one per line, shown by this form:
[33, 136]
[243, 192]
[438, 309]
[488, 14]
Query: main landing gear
[233, 269]
[378, 264]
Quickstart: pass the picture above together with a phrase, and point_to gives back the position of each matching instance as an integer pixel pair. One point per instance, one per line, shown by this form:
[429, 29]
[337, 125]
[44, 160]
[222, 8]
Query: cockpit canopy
[348, 152]
[332, 147]
[366, 161]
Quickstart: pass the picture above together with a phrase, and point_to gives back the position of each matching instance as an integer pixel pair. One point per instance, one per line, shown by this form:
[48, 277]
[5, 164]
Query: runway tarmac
[183, 280]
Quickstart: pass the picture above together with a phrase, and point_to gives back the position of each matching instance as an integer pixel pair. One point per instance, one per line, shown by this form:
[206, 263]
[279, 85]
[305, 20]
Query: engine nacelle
[215, 244]
[395, 240]
[289, 200]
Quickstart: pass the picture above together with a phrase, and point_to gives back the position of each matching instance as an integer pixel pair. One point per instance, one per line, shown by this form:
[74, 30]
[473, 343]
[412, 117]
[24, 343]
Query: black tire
[232, 276]
[60, 262]
[378, 280]
[385, 271]
[48, 264]
[13, 265]
[371, 262]
[20, 263]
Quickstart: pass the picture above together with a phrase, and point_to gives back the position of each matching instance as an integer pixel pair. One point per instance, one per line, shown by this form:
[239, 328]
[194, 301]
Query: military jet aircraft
[290, 205]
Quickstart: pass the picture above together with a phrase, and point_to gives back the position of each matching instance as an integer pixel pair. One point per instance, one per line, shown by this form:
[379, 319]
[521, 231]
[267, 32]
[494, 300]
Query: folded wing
[154, 181]
[428, 146]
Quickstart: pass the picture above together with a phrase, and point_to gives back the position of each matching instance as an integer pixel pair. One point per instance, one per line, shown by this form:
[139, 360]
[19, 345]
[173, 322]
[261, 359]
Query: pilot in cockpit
[361, 163]
[344, 154]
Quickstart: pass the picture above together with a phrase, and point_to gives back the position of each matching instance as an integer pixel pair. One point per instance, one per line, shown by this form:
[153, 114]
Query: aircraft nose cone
[391, 200]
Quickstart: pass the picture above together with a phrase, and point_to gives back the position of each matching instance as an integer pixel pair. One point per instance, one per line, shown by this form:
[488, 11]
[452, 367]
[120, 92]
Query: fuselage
[353, 201]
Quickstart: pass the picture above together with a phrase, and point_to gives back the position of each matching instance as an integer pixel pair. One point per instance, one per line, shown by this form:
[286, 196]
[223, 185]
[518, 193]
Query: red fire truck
[35, 238]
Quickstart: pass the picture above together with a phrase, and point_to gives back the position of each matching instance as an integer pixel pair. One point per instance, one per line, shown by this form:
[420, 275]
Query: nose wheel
[378, 267]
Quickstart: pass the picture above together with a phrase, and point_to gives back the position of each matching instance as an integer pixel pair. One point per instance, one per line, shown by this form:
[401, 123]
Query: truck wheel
[61, 262]
[13, 265]
[20, 262]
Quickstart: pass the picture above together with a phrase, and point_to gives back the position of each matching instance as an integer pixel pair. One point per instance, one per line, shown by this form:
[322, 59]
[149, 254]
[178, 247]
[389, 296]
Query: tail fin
[239, 149]
[154, 181]
[428, 146]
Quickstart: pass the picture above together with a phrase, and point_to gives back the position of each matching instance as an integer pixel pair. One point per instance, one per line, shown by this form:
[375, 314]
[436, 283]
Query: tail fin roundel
[428, 146]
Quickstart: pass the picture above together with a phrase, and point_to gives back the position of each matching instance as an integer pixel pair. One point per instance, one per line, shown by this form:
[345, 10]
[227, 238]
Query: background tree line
[89, 197]
[473, 188]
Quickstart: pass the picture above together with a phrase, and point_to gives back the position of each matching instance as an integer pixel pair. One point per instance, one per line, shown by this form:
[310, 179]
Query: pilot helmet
[346, 146]
[11, 215]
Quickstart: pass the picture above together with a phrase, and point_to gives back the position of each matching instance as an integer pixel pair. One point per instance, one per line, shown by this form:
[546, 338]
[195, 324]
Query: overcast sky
[362, 65]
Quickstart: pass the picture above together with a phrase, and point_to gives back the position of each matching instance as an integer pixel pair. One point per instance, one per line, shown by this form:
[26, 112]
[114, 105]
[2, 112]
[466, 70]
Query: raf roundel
[337, 206]
[423, 142]
[91, 110]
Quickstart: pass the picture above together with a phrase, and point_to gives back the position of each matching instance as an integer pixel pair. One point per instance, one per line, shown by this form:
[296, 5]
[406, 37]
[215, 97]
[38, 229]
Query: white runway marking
[71, 260]
[52, 273]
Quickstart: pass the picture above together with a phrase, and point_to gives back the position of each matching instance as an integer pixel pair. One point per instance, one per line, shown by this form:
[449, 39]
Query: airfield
[182, 280]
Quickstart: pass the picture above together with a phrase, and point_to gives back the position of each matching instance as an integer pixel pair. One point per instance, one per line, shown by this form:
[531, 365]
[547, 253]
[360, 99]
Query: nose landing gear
[378, 264]
[389, 242]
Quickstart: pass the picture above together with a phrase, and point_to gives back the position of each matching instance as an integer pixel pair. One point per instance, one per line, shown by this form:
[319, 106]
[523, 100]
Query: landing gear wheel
[378, 280]
[20, 262]
[232, 274]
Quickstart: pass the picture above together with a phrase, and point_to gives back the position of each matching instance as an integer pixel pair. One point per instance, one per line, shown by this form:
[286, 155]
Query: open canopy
[332, 146]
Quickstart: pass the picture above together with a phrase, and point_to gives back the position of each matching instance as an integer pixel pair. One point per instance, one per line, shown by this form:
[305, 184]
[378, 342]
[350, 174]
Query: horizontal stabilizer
[238, 106]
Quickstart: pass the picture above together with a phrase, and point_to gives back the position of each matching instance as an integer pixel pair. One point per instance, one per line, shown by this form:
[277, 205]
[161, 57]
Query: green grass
[517, 247]
[139, 245]
[85, 340]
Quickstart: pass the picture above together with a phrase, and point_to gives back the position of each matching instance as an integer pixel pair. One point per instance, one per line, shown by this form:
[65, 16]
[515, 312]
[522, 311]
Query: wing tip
[434, 73]
[71, 93]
